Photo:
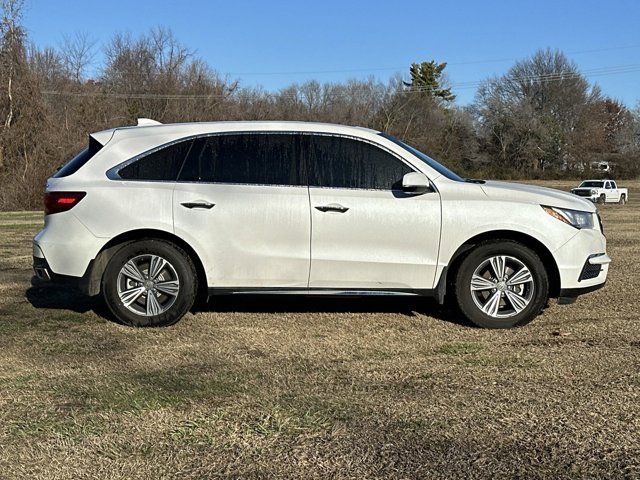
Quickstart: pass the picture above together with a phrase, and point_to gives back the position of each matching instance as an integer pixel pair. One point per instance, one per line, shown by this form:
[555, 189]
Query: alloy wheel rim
[148, 285]
[502, 286]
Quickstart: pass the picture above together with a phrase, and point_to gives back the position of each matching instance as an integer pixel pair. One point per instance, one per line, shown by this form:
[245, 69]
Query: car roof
[146, 127]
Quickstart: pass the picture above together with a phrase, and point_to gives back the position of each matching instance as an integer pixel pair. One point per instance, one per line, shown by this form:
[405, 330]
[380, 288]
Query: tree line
[543, 118]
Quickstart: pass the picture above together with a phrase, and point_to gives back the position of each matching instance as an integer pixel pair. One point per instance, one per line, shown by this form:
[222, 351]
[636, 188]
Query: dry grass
[311, 389]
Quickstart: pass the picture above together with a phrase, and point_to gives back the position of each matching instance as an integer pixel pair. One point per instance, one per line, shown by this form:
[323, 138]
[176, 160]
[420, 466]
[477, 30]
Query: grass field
[317, 388]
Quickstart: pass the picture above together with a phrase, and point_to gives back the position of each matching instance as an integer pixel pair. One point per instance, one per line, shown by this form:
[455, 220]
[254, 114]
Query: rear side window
[342, 162]
[160, 165]
[73, 165]
[246, 158]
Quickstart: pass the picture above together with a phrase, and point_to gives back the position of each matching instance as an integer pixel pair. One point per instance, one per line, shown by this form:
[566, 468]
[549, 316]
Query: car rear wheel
[149, 283]
[623, 199]
[501, 284]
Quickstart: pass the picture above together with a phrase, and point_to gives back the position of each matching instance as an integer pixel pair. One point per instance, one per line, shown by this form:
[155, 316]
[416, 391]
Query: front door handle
[198, 204]
[332, 207]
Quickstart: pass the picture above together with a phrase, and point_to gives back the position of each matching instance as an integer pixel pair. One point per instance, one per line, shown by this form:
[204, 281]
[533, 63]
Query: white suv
[154, 215]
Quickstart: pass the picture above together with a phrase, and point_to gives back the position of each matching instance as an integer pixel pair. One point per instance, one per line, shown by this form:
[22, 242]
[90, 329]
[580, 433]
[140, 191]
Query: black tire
[476, 258]
[602, 199]
[623, 199]
[180, 266]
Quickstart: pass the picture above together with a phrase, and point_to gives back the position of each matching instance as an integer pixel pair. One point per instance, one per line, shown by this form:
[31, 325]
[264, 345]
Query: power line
[597, 71]
[382, 69]
[404, 67]
[551, 77]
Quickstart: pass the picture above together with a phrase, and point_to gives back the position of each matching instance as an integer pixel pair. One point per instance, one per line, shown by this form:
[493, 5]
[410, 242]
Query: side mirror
[415, 183]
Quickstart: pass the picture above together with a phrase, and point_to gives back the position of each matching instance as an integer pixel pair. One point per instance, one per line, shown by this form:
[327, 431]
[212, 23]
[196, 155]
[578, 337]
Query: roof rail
[145, 122]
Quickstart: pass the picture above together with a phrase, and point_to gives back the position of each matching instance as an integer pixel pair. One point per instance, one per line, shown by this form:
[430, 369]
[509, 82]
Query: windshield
[438, 167]
[591, 184]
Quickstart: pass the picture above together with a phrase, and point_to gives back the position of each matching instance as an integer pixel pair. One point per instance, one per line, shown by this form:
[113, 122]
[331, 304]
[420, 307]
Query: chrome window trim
[113, 172]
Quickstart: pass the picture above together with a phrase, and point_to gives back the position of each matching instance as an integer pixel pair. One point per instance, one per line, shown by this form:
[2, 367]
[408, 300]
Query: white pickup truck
[602, 191]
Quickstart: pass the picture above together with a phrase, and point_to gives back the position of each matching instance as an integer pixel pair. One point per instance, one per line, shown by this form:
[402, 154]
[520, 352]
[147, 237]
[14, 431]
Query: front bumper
[582, 261]
[569, 295]
[593, 198]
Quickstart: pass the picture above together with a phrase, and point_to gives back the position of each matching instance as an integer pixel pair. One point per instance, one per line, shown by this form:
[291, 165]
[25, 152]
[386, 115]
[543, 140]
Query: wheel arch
[99, 264]
[533, 243]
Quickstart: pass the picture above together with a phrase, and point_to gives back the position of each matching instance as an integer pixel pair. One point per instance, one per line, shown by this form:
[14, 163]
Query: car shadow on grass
[42, 295]
[408, 306]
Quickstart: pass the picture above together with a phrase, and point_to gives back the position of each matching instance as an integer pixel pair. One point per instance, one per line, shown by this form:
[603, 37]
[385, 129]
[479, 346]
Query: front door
[243, 202]
[610, 194]
[366, 233]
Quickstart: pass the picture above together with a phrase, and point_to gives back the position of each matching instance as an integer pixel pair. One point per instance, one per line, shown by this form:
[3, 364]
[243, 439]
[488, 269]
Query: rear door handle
[332, 207]
[198, 204]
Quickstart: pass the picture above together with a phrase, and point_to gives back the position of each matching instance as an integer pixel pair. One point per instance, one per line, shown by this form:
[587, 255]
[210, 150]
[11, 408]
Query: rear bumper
[43, 271]
[66, 244]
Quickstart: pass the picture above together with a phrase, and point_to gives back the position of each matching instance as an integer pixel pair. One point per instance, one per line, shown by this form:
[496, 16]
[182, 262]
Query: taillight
[56, 202]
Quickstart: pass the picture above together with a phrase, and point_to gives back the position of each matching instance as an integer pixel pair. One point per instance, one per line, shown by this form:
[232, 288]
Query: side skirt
[326, 292]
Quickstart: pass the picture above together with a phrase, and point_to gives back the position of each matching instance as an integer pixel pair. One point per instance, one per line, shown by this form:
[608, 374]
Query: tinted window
[438, 167]
[341, 162]
[163, 164]
[607, 185]
[591, 184]
[249, 158]
[613, 185]
[73, 165]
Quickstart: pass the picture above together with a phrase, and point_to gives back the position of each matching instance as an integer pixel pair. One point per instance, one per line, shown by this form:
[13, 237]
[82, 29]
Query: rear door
[243, 201]
[367, 233]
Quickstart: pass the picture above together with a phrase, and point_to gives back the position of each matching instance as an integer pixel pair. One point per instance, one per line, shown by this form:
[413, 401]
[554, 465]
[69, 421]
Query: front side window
[160, 165]
[245, 158]
[438, 167]
[342, 162]
[607, 186]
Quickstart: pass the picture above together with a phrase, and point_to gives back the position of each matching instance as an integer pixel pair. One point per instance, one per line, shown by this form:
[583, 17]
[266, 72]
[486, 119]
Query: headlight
[575, 218]
[593, 192]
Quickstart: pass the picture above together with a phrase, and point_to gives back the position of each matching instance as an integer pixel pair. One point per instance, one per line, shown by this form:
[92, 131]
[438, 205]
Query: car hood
[519, 192]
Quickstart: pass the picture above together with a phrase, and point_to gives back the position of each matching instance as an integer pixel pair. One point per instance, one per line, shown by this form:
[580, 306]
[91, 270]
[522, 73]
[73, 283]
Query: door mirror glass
[416, 183]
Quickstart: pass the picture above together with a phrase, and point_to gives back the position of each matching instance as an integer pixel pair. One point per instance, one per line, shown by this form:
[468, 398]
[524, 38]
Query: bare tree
[78, 53]
[47, 65]
[11, 38]
[530, 115]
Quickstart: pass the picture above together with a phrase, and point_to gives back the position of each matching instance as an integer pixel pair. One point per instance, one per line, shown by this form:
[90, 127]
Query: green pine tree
[426, 78]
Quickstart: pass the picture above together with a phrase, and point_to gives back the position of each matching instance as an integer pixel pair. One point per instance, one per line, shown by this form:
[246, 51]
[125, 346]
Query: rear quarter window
[73, 165]
[160, 165]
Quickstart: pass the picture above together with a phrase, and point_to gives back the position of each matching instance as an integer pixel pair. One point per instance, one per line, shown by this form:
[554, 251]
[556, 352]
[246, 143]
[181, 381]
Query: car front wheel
[149, 283]
[501, 284]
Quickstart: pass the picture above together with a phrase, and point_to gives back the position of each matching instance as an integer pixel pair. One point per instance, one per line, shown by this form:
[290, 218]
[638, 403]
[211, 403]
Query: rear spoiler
[103, 137]
[147, 122]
